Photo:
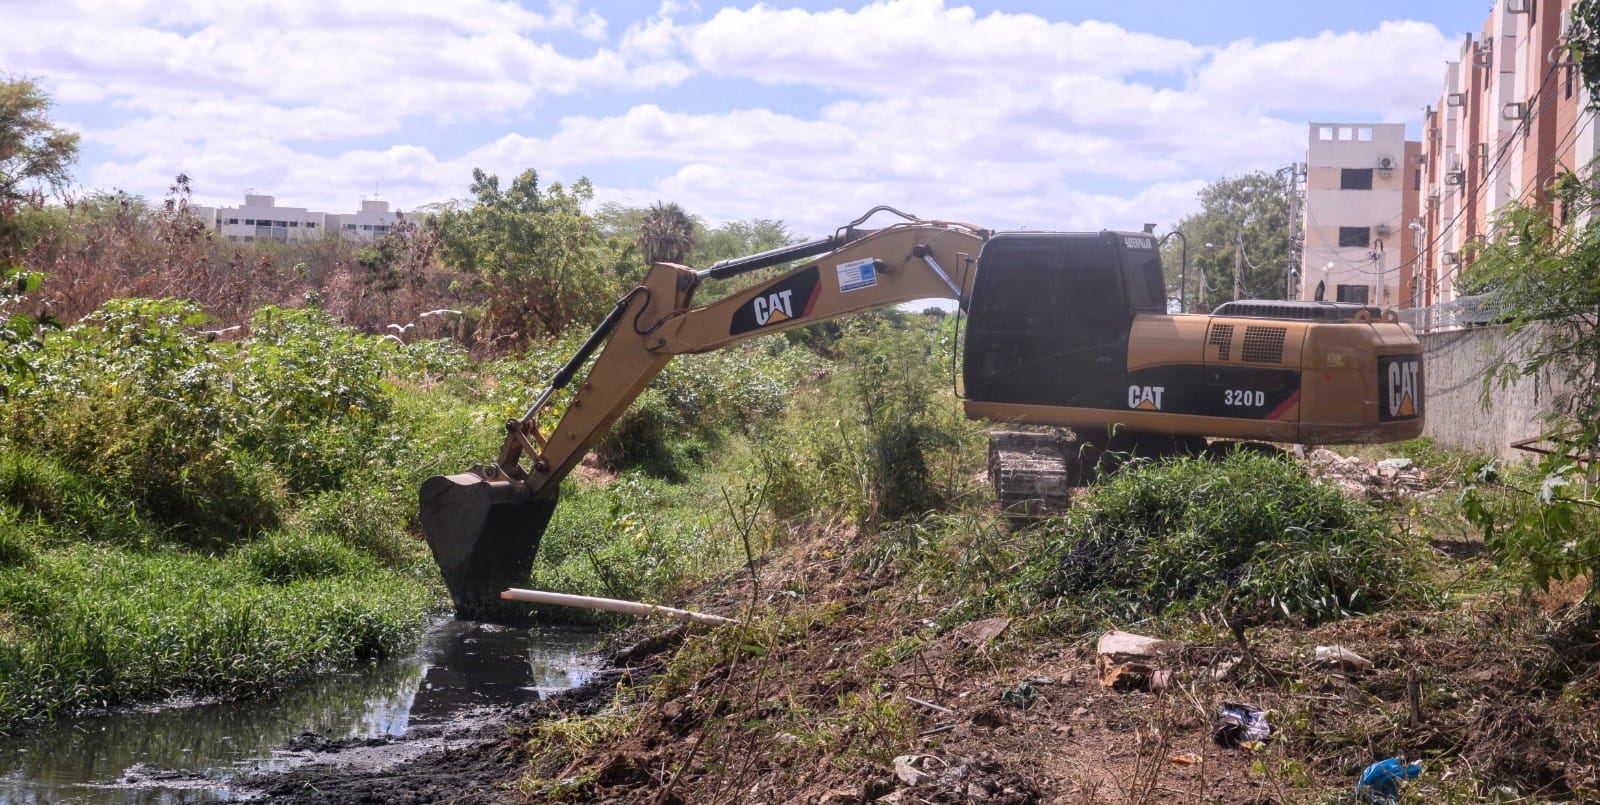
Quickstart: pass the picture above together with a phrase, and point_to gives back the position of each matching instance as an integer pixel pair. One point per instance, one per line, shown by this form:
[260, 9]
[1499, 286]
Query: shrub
[1252, 533]
[312, 394]
[134, 400]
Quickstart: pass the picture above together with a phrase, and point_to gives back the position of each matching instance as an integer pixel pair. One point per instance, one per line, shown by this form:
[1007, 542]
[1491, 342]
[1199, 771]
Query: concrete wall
[1455, 363]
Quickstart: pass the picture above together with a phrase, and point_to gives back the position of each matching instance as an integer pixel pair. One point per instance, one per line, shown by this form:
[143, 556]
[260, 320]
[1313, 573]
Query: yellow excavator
[1062, 329]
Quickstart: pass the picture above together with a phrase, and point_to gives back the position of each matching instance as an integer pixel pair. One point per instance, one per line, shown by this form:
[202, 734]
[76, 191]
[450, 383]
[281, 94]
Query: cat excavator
[1063, 329]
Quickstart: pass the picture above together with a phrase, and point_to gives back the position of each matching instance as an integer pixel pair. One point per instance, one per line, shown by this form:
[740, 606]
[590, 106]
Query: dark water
[188, 751]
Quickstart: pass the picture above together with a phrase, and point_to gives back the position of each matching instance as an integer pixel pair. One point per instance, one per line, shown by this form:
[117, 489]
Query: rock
[907, 768]
[1126, 658]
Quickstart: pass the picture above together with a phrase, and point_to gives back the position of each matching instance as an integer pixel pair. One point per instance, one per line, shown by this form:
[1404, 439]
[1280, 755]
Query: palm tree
[666, 235]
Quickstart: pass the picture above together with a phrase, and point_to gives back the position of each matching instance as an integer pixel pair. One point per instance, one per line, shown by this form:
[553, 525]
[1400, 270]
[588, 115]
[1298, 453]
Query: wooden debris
[1344, 658]
[980, 634]
[1126, 658]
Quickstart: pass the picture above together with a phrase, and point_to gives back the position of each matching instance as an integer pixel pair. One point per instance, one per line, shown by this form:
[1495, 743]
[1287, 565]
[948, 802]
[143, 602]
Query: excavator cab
[1050, 316]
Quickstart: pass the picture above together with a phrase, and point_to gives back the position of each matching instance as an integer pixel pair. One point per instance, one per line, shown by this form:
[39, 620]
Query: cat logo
[1401, 379]
[1145, 398]
[789, 299]
[773, 308]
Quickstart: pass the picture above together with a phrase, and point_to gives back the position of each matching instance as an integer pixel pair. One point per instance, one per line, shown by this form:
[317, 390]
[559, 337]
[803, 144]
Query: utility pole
[1238, 265]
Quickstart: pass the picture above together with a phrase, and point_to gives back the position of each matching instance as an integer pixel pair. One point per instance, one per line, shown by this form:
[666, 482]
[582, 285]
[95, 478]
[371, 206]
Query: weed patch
[1251, 534]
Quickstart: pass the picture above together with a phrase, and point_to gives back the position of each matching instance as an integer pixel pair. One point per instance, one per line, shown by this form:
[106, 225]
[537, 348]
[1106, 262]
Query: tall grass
[98, 624]
[1252, 534]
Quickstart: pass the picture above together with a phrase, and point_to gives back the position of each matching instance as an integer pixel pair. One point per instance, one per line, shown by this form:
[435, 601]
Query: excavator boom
[484, 525]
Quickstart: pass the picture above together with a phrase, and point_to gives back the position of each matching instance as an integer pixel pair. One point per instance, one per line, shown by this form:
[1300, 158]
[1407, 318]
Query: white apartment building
[262, 219]
[1361, 194]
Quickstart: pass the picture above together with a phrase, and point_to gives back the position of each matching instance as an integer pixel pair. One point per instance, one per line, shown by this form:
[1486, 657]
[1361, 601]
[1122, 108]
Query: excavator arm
[484, 525]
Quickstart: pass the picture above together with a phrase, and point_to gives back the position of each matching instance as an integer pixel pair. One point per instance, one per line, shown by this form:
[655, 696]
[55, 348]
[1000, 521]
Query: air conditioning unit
[1517, 6]
[1385, 165]
[1485, 55]
[1516, 110]
[1455, 178]
[1456, 99]
[1451, 258]
[1480, 150]
[1381, 230]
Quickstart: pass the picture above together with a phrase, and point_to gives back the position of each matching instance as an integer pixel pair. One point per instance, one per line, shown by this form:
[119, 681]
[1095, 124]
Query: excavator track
[1030, 473]
[1033, 473]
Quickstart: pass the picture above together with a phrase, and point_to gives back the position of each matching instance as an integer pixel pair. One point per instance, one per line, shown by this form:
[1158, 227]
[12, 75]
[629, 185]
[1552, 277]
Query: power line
[1577, 123]
[1490, 171]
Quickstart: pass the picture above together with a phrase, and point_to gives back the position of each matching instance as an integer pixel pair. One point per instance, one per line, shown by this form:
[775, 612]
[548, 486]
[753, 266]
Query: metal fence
[1462, 312]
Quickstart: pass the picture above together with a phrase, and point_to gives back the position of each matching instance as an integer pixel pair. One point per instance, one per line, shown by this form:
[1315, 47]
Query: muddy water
[189, 751]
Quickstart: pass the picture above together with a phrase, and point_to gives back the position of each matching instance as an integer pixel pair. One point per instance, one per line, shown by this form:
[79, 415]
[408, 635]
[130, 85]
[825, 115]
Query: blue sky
[1005, 114]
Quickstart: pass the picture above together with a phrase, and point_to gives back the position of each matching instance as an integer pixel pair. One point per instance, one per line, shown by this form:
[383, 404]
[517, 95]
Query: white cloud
[900, 45]
[1003, 119]
[1391, 72]
[361, 66]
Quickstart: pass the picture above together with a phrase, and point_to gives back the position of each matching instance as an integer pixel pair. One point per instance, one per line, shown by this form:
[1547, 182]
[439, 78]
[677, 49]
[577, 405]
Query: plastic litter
[1236, 724]
[1380, 783]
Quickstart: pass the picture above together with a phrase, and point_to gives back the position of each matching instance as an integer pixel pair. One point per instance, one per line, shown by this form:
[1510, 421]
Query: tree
[35, 154]
[1253, 207]
[739, 239]
[666, 235]
[542, 262]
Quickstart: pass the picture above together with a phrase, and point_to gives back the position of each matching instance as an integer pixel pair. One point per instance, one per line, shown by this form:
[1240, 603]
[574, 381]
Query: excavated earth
[864, 698]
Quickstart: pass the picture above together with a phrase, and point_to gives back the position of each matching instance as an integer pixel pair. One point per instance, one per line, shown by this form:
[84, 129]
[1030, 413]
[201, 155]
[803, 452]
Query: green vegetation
[35, 156]
[1252, 210]
[539, 261]
[1251, 536]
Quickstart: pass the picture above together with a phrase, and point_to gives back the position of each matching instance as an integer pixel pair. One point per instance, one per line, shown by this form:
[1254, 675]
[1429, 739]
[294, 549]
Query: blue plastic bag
[1380, 783]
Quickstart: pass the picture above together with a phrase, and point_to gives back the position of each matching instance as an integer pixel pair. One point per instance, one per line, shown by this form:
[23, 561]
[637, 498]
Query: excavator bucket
[483, 539]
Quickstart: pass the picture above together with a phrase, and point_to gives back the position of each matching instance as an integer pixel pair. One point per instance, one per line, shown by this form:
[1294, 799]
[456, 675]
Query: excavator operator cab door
[1050, 316]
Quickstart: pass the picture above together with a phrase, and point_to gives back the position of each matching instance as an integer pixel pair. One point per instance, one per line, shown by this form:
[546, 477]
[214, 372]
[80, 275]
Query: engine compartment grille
[1263, 345]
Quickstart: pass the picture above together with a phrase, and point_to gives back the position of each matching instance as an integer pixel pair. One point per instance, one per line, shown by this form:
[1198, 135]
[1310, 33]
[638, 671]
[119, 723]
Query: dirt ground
[846, 691]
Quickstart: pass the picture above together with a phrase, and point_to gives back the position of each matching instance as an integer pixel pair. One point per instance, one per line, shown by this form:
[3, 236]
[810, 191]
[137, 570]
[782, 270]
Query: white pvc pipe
[614, 605]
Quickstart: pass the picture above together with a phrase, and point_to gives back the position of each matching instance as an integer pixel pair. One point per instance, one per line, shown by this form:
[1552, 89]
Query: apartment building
[1508, 122]
[1361, 191]
[260, 218]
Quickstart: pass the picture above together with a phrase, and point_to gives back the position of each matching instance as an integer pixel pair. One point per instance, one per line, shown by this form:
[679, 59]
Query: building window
[380, 229]
[1416, 180]
[280, 223]
[366, 227]
[350, 227]
[294, 223]
[249, 222]
[1353, 293]
[310, 225]
[1325, 133]
[1355, 179]
[233, 220]
[1364, 134]
[1354, 237]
